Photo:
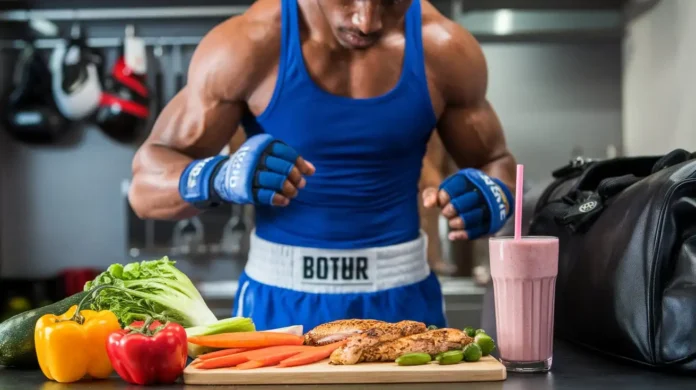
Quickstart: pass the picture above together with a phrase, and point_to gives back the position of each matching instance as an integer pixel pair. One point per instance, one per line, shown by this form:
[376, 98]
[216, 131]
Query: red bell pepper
[148, 353]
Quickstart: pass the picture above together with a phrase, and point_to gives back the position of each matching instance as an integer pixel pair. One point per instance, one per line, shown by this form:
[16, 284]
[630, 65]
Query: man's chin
[353, 42]
[349, 46]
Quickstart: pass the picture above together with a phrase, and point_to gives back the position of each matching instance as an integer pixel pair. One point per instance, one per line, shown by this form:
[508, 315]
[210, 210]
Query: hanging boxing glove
[30, 114]
[124, 108]
[75, 72]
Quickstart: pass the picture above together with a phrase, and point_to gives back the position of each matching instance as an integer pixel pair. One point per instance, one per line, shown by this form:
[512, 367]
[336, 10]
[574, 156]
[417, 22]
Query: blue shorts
[273, 307]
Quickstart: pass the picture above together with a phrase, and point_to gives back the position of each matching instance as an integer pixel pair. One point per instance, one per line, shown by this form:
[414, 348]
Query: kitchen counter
[573, 369]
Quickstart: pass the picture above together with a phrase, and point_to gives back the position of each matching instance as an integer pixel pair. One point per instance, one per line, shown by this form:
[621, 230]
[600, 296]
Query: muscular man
[338, 99]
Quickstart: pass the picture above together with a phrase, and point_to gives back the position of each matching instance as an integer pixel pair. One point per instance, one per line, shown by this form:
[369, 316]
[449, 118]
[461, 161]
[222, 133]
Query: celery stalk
[228, 325]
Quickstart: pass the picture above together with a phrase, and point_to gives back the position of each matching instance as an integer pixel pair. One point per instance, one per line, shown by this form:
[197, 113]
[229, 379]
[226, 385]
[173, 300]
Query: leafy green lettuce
[159, 290]
[150, 289]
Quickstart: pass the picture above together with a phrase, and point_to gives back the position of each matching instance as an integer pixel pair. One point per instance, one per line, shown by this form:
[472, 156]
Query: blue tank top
[368, 152]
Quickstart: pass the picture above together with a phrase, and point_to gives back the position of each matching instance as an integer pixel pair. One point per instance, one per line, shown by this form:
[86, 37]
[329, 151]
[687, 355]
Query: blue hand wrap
[195, 182]
[484, 203]
[252, 175]
[234, 183]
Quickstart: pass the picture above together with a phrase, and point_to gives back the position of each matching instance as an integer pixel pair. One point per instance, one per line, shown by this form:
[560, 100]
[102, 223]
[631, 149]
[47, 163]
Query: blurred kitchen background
[568, 78]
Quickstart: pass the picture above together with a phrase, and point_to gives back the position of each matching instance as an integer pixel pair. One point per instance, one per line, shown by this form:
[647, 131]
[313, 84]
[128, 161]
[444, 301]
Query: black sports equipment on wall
[124, 107]
[30, 113]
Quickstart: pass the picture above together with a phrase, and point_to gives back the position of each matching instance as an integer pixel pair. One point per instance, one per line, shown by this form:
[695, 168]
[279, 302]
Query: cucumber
[17, 333]
[451, 357]
[413, 359]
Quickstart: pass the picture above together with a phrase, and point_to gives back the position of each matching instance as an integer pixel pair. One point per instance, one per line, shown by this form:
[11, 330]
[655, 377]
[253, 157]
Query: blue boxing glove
[255, 174]
[474, 203]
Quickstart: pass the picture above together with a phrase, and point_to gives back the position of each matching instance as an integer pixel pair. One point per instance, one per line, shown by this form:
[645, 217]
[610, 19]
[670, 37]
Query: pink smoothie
[524, 281]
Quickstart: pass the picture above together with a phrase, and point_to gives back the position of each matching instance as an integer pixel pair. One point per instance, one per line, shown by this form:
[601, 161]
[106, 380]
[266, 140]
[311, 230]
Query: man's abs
[350, 221]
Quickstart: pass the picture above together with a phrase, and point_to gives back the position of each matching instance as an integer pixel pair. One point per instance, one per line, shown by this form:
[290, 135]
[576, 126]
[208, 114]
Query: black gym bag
[626, 282]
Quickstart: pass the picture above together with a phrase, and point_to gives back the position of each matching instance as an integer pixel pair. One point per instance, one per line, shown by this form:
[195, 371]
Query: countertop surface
[573, 369]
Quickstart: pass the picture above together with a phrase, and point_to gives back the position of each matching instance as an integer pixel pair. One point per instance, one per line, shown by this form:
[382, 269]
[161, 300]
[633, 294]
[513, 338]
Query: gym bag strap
[626, 284]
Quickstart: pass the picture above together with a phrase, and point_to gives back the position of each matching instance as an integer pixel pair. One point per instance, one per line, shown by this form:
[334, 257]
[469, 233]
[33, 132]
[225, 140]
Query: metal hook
[235, 219]
[184, 242]
[158, 51]
[75, 30]
[234, 234]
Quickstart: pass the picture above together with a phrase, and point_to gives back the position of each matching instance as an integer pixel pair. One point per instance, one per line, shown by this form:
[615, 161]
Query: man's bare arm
[470, 131]
[469, 127]
[196, 123]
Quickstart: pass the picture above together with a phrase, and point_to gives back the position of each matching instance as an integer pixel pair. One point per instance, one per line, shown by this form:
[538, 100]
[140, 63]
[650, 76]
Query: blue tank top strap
[288, 17]
[286, 29]
[291, 33]
[414, 60]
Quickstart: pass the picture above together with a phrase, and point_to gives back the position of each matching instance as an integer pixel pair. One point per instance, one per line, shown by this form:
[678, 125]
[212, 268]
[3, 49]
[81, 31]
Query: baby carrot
[246, 340]
[222, 361]
[312, 356]
[268, 360]
[222, 352]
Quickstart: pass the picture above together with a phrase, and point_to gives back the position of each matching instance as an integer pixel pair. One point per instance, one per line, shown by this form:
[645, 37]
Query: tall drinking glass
[524, 282]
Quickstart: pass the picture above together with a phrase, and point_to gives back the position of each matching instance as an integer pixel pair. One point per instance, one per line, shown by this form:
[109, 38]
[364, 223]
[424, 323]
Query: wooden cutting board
[486, 369]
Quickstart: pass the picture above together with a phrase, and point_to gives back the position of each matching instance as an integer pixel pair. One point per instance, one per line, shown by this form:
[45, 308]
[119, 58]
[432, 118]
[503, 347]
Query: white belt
[337, 271]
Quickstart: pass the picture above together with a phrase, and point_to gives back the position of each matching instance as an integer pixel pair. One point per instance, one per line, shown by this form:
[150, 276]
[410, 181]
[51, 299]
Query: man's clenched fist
[474, 203]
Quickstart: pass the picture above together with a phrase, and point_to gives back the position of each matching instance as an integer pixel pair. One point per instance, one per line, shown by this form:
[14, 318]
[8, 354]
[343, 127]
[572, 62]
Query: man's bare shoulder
[453, 55]
[242, 49]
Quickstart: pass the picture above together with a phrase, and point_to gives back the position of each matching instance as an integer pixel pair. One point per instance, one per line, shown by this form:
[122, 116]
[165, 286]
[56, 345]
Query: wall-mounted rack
[83, 14]
[104, 42]
[100, 14]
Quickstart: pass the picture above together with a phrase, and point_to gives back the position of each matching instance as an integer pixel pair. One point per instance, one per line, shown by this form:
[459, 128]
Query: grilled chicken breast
[431, 342]
[331, 332]
[380, 333]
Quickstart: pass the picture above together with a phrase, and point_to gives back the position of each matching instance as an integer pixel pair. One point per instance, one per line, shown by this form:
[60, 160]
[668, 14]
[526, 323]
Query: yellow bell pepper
[72, 346]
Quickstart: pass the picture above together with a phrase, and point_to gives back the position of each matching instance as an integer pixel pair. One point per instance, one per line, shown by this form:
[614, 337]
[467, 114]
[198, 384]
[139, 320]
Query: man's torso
[368, 152]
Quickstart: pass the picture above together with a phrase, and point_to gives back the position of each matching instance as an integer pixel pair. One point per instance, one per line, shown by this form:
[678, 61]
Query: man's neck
[312, 20]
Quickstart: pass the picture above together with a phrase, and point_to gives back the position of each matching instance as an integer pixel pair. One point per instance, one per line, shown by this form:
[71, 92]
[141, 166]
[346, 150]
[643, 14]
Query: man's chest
[358, 74]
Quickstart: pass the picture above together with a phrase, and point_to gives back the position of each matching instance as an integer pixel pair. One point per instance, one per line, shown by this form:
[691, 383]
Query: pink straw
[518, 201]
